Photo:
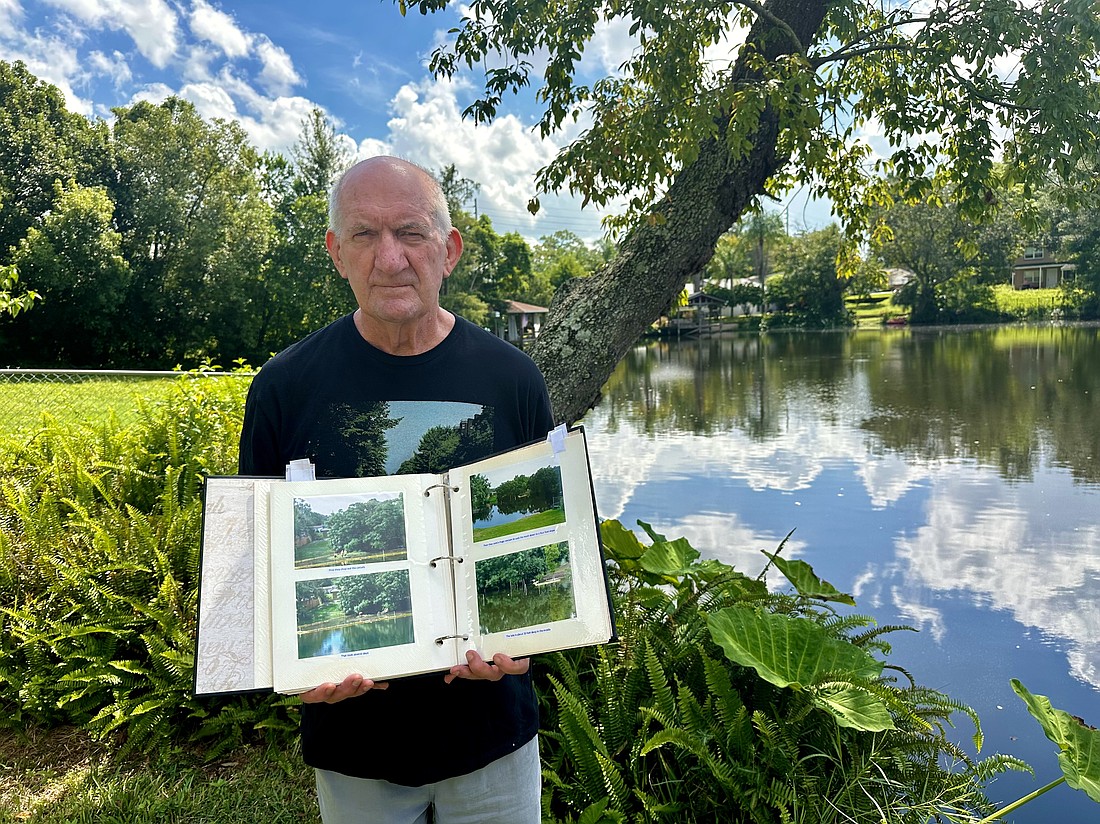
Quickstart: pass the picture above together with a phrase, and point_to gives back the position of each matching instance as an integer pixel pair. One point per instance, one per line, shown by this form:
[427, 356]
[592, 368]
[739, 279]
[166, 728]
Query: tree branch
[779, 23]
[848, 50]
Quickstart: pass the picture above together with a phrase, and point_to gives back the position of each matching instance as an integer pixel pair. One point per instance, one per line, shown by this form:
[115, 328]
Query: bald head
[396, 169]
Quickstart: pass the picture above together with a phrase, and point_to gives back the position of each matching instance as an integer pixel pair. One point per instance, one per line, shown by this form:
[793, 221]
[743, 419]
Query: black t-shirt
[357, 411]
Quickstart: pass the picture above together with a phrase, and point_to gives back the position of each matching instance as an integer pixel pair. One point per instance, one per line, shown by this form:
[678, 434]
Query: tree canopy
[166, 239]
[721, 104]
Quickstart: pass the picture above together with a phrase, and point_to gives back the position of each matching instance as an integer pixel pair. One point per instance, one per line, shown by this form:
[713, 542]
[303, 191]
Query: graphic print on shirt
[401, 437]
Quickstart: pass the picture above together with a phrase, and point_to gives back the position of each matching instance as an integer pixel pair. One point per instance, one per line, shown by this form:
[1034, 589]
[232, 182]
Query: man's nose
[390, 254]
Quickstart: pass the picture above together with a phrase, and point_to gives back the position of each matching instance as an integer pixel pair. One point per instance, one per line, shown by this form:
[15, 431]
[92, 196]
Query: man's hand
[351, 687]
[477, 668]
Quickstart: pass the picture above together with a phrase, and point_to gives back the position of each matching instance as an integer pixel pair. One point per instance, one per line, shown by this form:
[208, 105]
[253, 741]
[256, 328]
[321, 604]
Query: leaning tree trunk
[594, 321]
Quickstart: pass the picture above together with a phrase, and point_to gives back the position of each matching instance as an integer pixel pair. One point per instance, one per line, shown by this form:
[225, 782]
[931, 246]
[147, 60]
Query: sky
[267, 64]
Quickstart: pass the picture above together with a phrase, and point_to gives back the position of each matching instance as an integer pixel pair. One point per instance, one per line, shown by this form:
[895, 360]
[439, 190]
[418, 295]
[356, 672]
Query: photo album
[305, 582]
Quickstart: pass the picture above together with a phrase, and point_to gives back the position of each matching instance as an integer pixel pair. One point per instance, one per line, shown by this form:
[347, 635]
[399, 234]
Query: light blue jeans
[507, 791]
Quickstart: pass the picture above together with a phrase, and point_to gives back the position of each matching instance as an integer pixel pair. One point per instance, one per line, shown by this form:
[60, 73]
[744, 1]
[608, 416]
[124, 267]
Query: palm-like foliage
[724, 701]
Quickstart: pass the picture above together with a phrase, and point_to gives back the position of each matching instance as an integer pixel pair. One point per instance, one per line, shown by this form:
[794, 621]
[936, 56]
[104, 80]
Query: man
[358, 398]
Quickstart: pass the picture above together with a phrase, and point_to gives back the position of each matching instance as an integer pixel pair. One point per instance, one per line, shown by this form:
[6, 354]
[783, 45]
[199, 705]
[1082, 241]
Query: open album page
[532, 579]
[359, 580]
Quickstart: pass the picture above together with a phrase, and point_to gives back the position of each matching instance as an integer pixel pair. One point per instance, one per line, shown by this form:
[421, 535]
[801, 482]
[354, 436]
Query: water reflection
[949, 479]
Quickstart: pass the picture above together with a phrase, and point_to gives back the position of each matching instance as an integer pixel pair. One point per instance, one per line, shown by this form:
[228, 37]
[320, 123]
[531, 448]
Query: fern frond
[665, 703]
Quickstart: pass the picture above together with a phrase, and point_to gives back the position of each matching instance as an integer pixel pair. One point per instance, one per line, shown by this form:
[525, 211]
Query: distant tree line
[954, 260]
[520, 570]
[165, 239]
[539, 492]
[380, 592]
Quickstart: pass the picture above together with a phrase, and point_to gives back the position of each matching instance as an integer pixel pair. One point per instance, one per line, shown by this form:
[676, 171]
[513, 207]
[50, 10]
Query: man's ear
[332, 243]
[454, 252]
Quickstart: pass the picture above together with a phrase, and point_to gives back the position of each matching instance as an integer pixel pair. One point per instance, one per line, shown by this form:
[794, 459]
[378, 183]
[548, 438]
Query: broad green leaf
[654, 536]
[620, 542]
[669, 557]
[854, 707]
[787, 651]
[805, 580]
[1078, 743]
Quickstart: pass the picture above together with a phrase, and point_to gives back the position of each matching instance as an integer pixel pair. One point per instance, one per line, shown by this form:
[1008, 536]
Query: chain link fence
[83, 397]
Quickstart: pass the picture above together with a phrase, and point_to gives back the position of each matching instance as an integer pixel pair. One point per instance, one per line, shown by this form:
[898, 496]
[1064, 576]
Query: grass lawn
[73, 399]
[317, 554]
[875, 309]
[62, 777]
[533, 521]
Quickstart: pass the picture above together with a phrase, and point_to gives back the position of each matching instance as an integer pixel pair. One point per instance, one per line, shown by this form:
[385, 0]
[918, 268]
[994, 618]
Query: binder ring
[443, 638]
[428, 489]
[456, 558]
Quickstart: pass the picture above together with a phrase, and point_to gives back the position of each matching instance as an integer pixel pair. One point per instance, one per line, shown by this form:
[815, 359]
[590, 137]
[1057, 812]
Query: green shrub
[724, 701]
[1028, 304]
[99, 532]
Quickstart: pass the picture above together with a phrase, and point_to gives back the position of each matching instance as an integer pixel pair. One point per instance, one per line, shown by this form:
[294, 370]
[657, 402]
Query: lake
[356, 637]
[948, 479]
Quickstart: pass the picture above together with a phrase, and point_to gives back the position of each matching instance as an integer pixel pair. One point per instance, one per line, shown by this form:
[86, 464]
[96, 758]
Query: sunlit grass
[875, 309]
[74, 400]
[533, 521]
[63, 777]
[1033, 304]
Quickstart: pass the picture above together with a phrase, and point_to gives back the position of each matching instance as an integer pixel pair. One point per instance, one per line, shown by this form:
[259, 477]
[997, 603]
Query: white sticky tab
[301, 470]
[556, 436]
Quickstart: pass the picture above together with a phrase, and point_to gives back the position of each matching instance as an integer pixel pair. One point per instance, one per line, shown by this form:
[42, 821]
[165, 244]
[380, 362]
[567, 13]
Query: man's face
[388, 248]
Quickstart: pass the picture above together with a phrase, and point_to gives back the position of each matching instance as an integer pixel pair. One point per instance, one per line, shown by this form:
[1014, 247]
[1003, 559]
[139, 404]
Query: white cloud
[52, 60]
[278, 75]
[277, 123]
[612, 45]
[152, 92]
[502, 156]
[151, 24]
[113, 66]
[198, 64]
[980, 539]
[217, 27]
[11, 15]
[372, 147]
[919, 616]
[211, 101]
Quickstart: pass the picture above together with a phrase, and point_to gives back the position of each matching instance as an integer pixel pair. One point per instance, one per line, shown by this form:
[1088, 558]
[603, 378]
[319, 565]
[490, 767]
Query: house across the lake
[1038, 268]
[897, 277]
[520, 321]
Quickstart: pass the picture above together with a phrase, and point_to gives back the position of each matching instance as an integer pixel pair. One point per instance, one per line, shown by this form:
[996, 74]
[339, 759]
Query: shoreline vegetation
[878, 310]
[768, 703]
[526, 523]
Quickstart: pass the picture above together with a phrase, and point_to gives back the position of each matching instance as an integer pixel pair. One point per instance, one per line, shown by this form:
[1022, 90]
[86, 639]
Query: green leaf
[854, 707]
[654, 536]
[672, 558]
[594, 813]
[787, 651]
[620, 542]
[1079, 744]
[805, 580]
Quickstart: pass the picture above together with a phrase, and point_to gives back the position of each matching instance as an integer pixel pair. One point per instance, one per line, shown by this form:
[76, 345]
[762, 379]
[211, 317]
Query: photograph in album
[522, 589]
[353, 613]
[342, 530]
[516, 499]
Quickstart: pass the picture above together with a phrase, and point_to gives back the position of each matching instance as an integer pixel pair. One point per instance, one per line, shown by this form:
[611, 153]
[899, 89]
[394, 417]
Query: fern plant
[99, 550]
[725, 701]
